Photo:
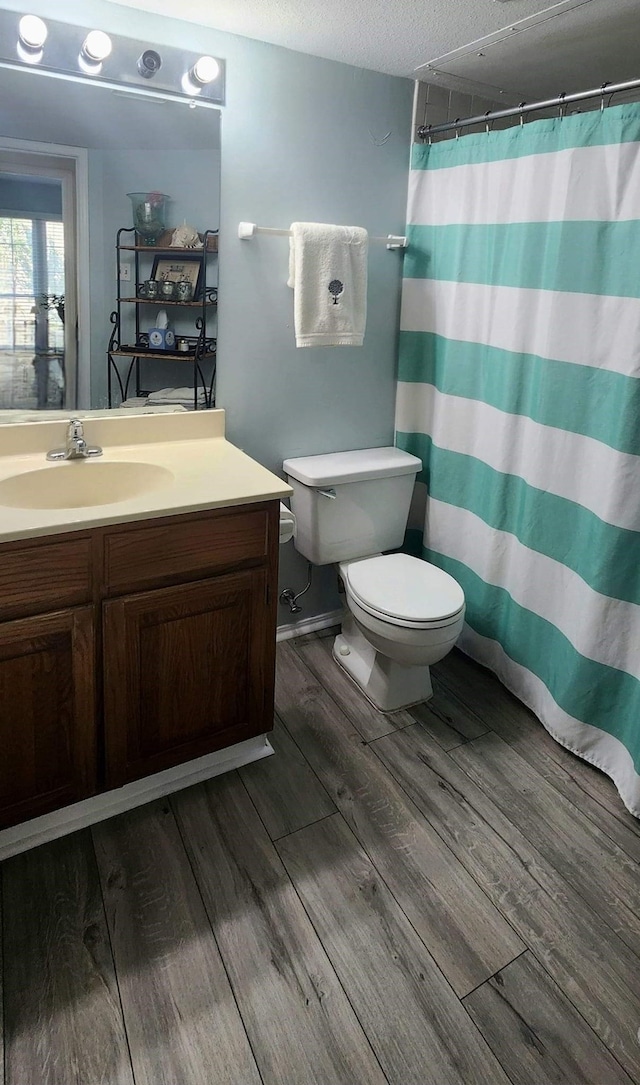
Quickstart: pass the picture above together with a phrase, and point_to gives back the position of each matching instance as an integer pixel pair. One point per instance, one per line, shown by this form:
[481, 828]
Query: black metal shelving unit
[126, 361]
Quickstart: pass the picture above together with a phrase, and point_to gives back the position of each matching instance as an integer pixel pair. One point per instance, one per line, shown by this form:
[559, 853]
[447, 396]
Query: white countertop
[206, 470]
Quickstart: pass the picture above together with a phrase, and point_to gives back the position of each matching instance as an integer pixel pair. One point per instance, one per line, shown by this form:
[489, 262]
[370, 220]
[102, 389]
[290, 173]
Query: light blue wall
[302, 138]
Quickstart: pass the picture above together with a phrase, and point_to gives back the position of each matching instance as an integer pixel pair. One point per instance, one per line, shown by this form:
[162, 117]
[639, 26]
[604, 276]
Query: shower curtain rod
[427, 130]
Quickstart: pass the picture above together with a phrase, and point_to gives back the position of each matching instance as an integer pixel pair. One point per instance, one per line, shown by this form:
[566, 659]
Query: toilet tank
[351, 504]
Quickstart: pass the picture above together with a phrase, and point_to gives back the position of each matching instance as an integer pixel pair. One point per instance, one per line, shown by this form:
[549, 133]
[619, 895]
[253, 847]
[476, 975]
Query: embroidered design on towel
[335, 288]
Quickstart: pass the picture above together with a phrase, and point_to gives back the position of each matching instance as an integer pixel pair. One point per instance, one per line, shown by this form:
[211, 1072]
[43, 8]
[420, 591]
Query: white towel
[175, 395]
[143, 407]
[328, 273]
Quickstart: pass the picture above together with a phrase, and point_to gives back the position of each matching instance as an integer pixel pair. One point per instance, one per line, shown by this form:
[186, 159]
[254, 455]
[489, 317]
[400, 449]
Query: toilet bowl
[402, 614]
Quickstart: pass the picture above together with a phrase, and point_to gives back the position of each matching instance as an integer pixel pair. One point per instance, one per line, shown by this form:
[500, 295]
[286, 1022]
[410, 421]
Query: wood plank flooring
[63, 1018]
[440, 896]
[181, 1017]
[302, 1026]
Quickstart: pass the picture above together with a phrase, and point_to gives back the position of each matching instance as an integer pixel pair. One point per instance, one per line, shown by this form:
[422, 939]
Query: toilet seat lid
[403, 588]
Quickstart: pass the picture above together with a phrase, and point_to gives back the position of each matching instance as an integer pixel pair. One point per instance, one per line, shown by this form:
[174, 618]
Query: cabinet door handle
[328, 493]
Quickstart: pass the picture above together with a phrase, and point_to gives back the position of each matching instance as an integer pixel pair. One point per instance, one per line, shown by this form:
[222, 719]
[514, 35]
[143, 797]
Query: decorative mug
[184, 290]
[150, 287]
[168, 288]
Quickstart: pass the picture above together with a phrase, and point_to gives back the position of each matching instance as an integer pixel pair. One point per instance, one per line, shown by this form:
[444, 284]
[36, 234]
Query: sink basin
[80, 484]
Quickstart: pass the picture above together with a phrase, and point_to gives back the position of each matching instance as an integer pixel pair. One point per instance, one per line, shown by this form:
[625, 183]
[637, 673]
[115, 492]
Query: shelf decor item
[149, 212]
[185, 237]
[184, 290]
[179, 269]
[162, 338]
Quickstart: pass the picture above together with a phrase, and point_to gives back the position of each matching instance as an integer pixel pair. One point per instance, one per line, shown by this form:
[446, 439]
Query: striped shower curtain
[519, 388]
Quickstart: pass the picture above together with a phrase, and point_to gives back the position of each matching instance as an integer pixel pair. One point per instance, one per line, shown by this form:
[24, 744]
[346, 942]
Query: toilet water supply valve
[288, 598]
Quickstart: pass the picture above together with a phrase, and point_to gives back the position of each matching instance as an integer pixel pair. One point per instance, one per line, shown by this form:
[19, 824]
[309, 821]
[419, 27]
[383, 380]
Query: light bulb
[149, 63]
[205, 70]
[97, 46]
[33, 31]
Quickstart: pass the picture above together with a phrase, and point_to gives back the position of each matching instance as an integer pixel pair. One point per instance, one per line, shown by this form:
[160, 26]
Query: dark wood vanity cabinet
[185, 669]
[47, 713]
[171, 656]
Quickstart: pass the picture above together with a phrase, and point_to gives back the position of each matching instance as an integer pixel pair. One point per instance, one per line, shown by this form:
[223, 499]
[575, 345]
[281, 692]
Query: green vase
[149, 211]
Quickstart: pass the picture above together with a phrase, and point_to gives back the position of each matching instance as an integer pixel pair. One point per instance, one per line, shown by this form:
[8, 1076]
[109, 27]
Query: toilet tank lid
[336, 468]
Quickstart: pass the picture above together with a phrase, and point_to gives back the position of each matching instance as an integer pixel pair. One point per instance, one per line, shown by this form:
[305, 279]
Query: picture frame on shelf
[177, 268]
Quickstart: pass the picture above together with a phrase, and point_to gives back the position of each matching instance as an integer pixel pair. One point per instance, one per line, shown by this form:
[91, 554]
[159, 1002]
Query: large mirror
[69, 155]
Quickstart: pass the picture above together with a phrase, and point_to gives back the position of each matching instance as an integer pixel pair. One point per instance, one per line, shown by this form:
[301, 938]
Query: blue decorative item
[162, 338]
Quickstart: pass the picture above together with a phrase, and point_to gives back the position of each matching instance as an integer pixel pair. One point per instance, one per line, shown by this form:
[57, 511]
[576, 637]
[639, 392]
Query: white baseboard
[88, 812]
[309, 625]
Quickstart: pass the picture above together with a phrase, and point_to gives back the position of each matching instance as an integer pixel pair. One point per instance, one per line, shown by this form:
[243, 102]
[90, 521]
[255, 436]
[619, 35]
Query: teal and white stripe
[586, 329]
[476, 429]
[519, 388]
[510, 190]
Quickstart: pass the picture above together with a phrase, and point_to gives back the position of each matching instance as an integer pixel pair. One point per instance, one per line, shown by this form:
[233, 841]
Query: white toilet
[403, 613]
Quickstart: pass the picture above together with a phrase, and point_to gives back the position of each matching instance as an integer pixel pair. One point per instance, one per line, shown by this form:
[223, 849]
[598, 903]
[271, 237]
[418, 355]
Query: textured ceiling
[527, 48]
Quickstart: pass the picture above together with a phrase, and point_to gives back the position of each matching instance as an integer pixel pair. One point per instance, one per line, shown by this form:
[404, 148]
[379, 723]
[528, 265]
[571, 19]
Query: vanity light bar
[90, 54]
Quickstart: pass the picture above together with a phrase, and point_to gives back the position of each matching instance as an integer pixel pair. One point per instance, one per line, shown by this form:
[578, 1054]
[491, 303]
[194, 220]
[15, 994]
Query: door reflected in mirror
[33, 289]
[68, 157]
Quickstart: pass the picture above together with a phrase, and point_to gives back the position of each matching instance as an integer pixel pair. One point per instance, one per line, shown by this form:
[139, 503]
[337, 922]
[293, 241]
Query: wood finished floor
[443, 896]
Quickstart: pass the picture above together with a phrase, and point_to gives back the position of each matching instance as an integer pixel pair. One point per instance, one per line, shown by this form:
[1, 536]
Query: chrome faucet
[76, 447]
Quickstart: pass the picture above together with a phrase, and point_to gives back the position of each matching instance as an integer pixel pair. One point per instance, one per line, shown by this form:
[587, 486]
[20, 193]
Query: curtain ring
[487, 125]
[521, 108]
[428, 134]
[561, 105]
[602, 90]
[457, 121]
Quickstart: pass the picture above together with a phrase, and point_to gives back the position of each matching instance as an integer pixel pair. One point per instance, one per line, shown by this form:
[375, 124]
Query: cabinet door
[187, 670]
[47, 713]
